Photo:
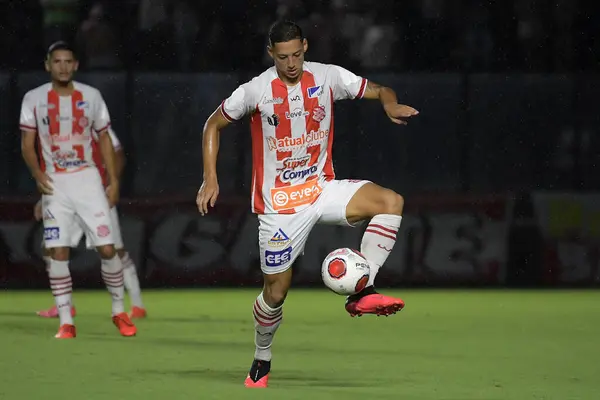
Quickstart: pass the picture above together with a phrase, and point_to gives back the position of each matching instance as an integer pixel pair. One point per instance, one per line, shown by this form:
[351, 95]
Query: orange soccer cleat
[66, 331]
[370, 302]
[258, 377]
[124, 324]
[52, 312]
[137, 312]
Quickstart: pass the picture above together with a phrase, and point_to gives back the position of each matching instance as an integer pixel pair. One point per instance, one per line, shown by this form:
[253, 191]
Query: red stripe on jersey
[53, 108]
[310, 104]
[283, 130]
[77, 114]
[39, 145]
[258, 162]
[97, 158]
[328, 168]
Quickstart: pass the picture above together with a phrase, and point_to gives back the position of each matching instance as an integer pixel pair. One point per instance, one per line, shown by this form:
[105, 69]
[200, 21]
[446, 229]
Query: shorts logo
[51, 233]
[319, 113]
[287, 197]
[278, 258]
[48, 216]
[279, 239]
[314, 91]
[102, 231]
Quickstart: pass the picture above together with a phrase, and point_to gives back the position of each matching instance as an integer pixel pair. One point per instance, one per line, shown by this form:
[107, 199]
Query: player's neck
[63, 89]
[287, 80]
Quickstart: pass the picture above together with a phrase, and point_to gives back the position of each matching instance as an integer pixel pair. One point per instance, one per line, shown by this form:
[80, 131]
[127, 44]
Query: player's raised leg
[384, 208]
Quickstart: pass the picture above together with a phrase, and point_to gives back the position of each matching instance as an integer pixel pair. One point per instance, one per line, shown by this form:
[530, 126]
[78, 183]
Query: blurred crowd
[221, 35]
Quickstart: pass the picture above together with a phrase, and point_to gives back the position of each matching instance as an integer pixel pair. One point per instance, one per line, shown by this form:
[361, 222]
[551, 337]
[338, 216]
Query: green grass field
[199, 344]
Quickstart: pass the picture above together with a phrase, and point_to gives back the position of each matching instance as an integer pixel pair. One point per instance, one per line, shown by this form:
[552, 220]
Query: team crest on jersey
[319, 113]
[279, 239]
[314, 91]
[81, 105]
[273, 120]
[83, 122]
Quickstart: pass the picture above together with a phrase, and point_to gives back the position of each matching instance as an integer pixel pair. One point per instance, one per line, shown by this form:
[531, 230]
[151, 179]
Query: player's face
[62, 66]
[289, 58]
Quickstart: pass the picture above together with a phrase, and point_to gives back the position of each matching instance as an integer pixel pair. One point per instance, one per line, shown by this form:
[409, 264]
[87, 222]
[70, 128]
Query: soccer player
[60, 116]
[132, 283]
[293, 182]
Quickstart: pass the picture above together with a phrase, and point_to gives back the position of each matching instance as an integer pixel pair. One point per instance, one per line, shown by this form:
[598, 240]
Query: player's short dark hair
[284, 31]
[60, 45]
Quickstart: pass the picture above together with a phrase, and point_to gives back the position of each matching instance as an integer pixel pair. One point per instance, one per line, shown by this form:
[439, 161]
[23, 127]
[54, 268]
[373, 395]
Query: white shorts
[281, 237]
[79, 228]
[78, 201]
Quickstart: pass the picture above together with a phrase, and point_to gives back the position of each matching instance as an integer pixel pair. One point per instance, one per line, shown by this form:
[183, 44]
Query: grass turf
[199, 344]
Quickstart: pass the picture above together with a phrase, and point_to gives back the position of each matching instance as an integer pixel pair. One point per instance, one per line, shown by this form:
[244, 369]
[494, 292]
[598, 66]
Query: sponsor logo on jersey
[82, 104]
[319, 113]
[278, 258]
[311, 138]
[314, 91]
[289, 175]
[279, 239]
[287, 197]
[67, 159]
[298, 112]
[294, 162]
[273, 120]
[274, 100]
[51, 233]
[295, 98]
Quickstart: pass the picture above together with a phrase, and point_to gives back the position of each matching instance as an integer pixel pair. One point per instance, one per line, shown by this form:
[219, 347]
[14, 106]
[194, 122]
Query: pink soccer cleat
[258, 377]
[52, 312]
[66, 331]
[137, 312]
[124, 324]
[370, 302]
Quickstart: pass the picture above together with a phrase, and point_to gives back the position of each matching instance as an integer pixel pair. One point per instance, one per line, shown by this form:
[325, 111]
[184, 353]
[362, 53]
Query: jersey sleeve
[241, 102]
[27, 120]
[115, 140]
[101, 116]
[346, 85]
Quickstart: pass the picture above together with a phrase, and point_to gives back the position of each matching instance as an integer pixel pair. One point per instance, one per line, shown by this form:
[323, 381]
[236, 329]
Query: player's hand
[44, 183]
[112, 193]
[37, 210]
[208, 193]
[398, 112]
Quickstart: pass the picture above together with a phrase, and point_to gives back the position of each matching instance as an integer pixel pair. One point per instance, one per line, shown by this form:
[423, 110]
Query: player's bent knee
[276, 288]
[393, 203]
[107, 252]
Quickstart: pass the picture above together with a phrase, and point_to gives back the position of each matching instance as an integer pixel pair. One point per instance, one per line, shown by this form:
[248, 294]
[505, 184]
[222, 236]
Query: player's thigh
[77, 231]
[371, 200]
[116, 232]
[281, 239]
[92, 207]
[58, 217]
[336, 198]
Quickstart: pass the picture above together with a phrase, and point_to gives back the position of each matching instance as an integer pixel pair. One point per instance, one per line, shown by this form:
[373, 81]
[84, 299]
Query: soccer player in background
[293, 183]
[132, 283]
[59, 117]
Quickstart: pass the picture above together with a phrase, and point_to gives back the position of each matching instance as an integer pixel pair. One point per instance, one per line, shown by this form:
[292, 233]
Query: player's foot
[370, 302]
[258, 377]
[137, 312]
[126, 327]
[52, 312]
[66, 331]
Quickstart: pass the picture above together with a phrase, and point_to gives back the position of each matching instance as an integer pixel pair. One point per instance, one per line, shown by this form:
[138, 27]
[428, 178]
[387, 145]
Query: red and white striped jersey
[98, 156]
[64, 126]
[292, 133]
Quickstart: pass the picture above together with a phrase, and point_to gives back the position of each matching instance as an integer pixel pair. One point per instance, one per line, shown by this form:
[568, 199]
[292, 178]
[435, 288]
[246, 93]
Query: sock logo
[384, 248]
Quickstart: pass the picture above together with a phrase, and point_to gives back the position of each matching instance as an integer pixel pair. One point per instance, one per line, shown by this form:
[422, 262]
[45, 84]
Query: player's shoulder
[317, 68]
[261, 82]
[86, 89]
[39, 92]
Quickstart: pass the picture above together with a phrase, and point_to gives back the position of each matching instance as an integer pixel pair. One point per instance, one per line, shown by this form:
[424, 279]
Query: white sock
[266, 322]
[62, 288]
[378, 241]
[132, 283]
[112, 275]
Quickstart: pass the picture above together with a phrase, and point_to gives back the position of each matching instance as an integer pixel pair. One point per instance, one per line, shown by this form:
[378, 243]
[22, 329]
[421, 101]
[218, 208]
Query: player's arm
[395, 112]
[108, 156]
[120, 162]
[28, 141]
[209, 191]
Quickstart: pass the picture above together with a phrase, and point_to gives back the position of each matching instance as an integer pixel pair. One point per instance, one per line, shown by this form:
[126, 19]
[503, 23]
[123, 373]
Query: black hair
[60, 45]
[284, 31]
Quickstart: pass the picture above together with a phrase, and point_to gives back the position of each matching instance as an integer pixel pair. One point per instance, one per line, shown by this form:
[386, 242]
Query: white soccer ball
[345, 271]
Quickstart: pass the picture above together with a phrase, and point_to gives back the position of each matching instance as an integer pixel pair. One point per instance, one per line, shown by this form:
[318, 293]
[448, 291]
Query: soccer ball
[345, 271]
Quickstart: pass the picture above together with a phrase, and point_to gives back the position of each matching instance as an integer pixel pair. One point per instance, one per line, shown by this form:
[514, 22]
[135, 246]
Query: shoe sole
[381, 310]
